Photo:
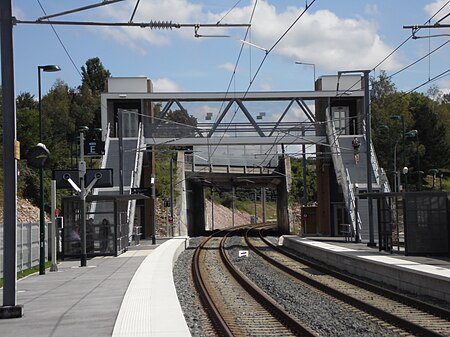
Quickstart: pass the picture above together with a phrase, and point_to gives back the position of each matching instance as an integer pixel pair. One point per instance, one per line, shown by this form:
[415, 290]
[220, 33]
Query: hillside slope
[26, 211]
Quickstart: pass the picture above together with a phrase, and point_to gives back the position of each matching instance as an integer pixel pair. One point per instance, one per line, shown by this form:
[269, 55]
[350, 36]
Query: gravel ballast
[326, 317]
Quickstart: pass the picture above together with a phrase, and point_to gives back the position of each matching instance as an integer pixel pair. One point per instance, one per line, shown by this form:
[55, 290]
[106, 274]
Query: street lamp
[46, 68]
[314, 69]
[405, 173]
[397, 174]
[415, 134]
[434, 172]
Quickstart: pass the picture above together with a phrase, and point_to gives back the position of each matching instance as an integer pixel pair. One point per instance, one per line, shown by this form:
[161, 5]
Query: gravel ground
[327, 318]
[196, 317]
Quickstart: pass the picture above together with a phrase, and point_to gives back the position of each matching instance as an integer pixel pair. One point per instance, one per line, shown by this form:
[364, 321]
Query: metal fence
[27, 246]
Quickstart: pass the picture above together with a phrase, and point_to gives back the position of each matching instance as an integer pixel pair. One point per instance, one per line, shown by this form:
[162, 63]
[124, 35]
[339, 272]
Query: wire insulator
[162, 25]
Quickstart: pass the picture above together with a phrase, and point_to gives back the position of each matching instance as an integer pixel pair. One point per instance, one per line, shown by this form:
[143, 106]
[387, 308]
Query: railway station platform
[129, 295]
[422, 275]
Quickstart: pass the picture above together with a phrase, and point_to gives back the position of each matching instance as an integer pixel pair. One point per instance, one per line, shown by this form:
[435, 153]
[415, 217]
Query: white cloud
[18, 12]
[265, 86]
[444, 86]
[371, 9]
[227, 66]
[319, 37]
[165, 84]
[434, 7]
[322, 38]
[175, 11]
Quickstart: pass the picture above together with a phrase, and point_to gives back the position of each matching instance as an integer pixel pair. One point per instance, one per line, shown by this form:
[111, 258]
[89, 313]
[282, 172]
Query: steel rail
[415, 303]
[388, 317]
[266, 301]
[218, 322]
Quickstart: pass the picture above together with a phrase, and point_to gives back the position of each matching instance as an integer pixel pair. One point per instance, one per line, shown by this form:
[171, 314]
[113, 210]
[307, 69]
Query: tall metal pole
[403, 136]
[305, 188]
[212, 208]
[367, 113]
[120, 122]
[10, 308]
[41, 188]
[314, 70]
[54, 229]
[172, 229]
[419, 173]
[396, 182]
[232, 205]
[82, 172]
[153, 185]
[255, 221]
[264, 209]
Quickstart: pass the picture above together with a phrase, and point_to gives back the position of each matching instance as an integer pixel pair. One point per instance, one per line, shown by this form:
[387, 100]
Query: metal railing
[135, 178]
[27, 246]
[107, 142]
[377, 170]
[343, 175]
[95, 191]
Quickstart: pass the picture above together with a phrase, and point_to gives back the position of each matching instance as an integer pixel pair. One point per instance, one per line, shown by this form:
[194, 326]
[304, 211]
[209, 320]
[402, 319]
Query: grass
[26, 272]
[249, 207]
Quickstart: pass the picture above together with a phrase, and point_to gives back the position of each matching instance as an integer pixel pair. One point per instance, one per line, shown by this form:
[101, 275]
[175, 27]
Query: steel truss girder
[243, 96]
[246, 140]
[239, 98]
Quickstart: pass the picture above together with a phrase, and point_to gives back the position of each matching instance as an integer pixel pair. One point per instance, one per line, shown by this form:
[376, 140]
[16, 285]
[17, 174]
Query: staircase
[352, 176]
[132, 168]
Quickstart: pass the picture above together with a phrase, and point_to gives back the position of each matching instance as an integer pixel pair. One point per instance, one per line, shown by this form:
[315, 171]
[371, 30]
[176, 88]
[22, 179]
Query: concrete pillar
[180, 188]
[283, 190]
[195, 208]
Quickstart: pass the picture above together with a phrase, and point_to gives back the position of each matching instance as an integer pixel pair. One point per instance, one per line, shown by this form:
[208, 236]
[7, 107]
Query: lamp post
[82, 173]
[415, 134]
[434, 172]
[46, 68]
[400, 118]
[10, 308]
[397, 174]
[405, 173]
[314, 69]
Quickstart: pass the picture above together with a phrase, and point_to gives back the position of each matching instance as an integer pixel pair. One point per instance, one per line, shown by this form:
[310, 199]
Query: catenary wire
[60, 41]
[268, 52]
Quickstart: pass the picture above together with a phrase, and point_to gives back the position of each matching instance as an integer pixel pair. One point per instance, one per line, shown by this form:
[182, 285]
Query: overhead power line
[150, 24]
[106, 2]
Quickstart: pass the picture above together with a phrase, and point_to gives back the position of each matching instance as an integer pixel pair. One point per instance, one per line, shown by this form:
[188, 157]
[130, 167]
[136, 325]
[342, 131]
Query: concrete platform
[150, 306]
[428, 276]
[111, 296]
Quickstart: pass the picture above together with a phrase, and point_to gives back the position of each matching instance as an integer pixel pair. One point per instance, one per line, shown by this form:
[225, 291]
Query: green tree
[94, 79]
[390, 112]
[27, 116]
[297, 191]
[432, 149]
[94, 76]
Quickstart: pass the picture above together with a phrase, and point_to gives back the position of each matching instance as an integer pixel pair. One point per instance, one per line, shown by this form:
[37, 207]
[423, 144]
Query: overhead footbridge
[229, 139]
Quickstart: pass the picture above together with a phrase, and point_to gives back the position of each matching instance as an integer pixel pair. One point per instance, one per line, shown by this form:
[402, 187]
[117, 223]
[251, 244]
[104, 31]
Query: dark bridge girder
[197, 181]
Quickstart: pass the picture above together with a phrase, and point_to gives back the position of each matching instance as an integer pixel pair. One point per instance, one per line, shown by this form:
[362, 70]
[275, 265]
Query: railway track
[412, 316]
[234, 304]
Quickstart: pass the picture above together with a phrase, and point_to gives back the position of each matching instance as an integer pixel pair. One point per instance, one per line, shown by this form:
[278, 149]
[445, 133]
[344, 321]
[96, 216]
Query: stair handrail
[93, 204]
[107, 141]
[379, 173]
[135, 179]
[335, 150]
[355, 217]
[342, 174]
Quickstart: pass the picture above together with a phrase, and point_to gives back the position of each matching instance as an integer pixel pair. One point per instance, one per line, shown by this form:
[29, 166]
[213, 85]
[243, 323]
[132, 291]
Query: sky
[330, 36]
